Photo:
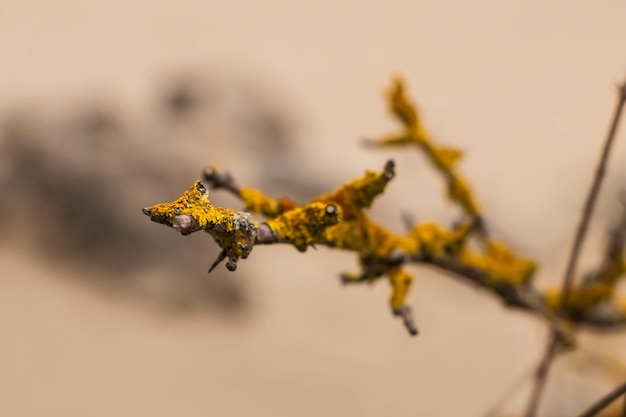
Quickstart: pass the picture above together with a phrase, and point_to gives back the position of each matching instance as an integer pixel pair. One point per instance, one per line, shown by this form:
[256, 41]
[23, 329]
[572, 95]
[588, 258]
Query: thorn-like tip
[407, 318]
[208, 173]
[220, 257]
[390, 169]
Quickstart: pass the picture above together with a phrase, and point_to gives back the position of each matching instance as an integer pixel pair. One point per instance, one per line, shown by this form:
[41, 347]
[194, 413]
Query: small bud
[231, 265]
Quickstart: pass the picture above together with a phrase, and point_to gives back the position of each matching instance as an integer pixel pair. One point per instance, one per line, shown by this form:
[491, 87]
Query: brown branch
[593, 196]
[524, 298]
[604, 401]
[568, 278]
[220, 180]
[541, 376]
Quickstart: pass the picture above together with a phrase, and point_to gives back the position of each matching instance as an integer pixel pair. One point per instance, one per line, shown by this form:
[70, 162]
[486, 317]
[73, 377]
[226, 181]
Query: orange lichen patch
[433, 240]
[445, 157]
[195, 203]
[598, 286]
[401, 105]
[355, 232]
[460, 192]
[579, 298]
[394, 139]
[257, 202]
[359, 194]
[304, 226]
[400, 282]
[364, 236]
[352, 197]
[501, 264]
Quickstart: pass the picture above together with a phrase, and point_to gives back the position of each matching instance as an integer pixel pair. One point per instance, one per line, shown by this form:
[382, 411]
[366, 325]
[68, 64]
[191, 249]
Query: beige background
[525, 87]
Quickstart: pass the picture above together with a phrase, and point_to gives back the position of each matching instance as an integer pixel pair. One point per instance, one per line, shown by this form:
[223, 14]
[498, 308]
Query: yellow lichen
[443, 158]
[364, 236]
[400, 282]
[195, 203]
[596, 288]
[401, 105]
[359, 194]
[304, 226]
[256, 202]
[233, 230]
[501, 264]
[434, 240]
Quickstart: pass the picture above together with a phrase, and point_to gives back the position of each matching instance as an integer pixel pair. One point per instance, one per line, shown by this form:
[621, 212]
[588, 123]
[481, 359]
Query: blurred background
[107, 107]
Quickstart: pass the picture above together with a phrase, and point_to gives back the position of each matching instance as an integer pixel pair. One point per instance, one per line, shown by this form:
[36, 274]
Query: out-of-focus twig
[605, 401]
[568, 278]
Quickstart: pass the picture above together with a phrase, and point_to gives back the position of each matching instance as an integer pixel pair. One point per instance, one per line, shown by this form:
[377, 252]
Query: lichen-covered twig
[383, 254]
[339, 220]
[235, 231]
[443, 158]
[593, 300]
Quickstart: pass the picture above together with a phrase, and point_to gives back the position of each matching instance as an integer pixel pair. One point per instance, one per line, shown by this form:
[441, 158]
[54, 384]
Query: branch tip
[406, 315]
[219, 179]
[390, 169]
[220, 257]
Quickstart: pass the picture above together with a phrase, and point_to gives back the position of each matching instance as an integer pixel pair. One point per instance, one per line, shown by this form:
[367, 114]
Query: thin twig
[592, 197]
[604, 401]
[541, 376]
[568, 278]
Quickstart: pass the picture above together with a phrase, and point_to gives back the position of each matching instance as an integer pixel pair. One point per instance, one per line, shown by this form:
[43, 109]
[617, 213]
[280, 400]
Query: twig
[593, 196]
[218, 179]
[568, 278]
[541, 376]
[604, 401]
[407, 318]
[524, 298]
